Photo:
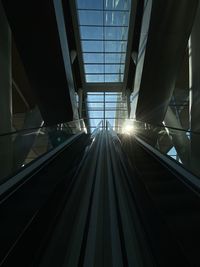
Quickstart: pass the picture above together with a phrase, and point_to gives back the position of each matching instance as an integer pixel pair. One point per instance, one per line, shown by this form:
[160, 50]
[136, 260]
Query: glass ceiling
[103, 26]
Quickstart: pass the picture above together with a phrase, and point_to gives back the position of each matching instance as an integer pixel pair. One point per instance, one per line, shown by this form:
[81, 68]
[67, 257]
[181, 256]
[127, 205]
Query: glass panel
[96, 114]
[95, 106]
[112, 97]
[92, 46]
[94, 78]
[104, 34]
[114, 68]
[172, 142]
[111, 105]
[95, 97]
[117, 4]
[94, 68]
[111, 46]
[93, 58]
[90, 4]
[114, 58]
[110, 114]
[111, 121]
[116, 18]
[90, 17]
[114, 78]
[112, 93]
[116, 33]
[94, 122]
[91, 32]
[35, 142]
[94, 93]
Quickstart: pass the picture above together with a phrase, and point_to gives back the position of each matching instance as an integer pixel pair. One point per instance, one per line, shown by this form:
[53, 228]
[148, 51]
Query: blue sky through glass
[103, 28]
[105, 106]
[173, 154]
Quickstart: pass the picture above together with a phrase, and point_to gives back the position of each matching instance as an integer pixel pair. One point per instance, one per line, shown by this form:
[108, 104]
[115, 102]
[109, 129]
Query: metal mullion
[110, 101]
[105, 102]
[98, 118]
[100, 26]
[91, 63]
[95, 52]
[108, 40]
[104, 60]
[103, 73]
[110, 109]
[107, 10]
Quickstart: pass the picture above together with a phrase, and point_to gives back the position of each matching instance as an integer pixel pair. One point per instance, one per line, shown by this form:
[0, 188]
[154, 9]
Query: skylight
[103, 26]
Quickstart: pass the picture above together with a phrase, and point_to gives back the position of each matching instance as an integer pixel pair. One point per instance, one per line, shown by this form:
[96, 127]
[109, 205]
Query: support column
[73, 55]
[128, 95]
[5, 95]
[195, 93]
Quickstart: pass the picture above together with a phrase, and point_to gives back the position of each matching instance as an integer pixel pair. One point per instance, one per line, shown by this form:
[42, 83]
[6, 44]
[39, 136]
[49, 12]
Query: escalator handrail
[181, 173]
[35, 129]
[166, 127]
[32, 168]
[97, 129]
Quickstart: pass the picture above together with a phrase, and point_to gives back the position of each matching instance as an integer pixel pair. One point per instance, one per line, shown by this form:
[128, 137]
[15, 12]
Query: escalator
[29, 201]
[100, 201]
[176, 200]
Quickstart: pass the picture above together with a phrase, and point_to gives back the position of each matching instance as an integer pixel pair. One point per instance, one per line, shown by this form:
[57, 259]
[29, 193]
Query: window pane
[90, 4]
[111, 105]
[111, 121]
[95, 93]
[114, 58]
[94, 78]
[92, 106]
[113, 78]
[91, 32]
[113, 97]
[94, 122]
[115, 46]
[96, 114]
[113, 93]
[116, 33]
[95, 97]
[114, 68]
[92, 46]
[94, 69]
[117, 4]
[93, 58]
[87, 17]
[116, 18]
[110, 114]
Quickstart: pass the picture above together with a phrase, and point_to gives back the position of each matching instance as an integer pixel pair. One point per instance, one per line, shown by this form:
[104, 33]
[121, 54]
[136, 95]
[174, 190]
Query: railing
[98, 128]
[181, 145]
[19, 148]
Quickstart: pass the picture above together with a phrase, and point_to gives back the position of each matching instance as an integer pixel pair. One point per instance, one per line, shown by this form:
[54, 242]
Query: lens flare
[128, 128]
